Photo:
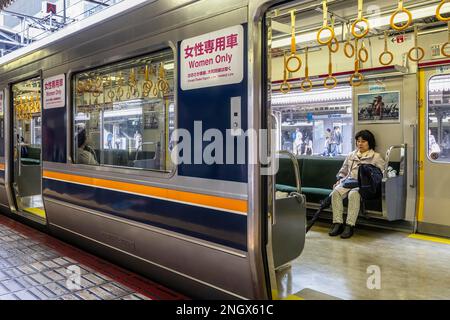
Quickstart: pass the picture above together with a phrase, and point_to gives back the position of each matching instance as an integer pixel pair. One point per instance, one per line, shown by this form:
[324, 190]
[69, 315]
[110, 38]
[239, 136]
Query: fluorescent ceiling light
[118, 113]
[374, 23]
[169, 66]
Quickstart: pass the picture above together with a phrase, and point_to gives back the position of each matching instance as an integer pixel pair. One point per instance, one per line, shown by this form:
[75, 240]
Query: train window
[439, 118]
[124, 113]
[315, 123]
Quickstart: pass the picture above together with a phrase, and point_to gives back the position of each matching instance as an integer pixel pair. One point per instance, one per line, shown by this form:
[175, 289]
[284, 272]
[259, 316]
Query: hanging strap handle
[356, 78]
[438, 11]
[330, 78]
[444, 46]
[401, 9]
[285, 87]
[293, 57]
[306, 84]
[325, 26]
[420, 52]
[386, 52]
[360, 19]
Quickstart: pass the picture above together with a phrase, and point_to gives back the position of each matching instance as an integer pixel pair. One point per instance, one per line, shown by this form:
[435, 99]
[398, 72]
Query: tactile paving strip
[36, 266]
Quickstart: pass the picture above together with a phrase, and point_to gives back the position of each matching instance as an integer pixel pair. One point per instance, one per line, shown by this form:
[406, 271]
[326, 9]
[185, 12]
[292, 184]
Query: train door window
[315, 123]
[27, 145]
[439, 118]
[124, 113]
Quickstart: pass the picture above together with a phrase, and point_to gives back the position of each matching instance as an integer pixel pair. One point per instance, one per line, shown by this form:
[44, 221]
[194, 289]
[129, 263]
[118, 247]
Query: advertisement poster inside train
[381, 107]
[212, 59]
[55, 92]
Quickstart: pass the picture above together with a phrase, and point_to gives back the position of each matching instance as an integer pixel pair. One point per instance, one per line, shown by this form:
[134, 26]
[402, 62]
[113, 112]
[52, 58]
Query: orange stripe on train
[194, 198]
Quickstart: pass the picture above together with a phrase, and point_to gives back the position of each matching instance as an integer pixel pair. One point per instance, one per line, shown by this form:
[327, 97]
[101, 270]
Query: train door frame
[9, 149]
[260, 191]
[425, 165]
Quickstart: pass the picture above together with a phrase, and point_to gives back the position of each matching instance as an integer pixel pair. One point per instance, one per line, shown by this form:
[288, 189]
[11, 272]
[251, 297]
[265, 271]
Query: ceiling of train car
[309, 16]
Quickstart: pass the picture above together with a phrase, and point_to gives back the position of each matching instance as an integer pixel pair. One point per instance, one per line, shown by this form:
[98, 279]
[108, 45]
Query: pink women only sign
[212, 59]
[55, 92]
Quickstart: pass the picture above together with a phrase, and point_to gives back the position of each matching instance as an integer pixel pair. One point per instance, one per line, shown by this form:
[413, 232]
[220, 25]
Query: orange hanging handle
[386, 53]
[306, 84]
[360, 19]
[420, 52]
[325, 26]
[438, 11]
[293, 56]
[401, 9]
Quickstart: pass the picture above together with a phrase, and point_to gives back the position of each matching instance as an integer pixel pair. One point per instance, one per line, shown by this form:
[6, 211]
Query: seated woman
[86, 154]
[364, 154]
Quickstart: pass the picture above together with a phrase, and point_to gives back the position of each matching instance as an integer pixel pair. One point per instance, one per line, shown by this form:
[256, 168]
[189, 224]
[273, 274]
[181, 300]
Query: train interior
[392, 80]
[126, 112]
[27, 147]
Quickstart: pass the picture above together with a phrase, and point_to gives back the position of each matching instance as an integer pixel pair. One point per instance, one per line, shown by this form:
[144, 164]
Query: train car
[131, 133]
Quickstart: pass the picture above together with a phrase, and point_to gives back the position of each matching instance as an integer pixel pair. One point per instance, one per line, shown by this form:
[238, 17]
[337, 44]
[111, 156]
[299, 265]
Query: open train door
[434, 148]
[285, 212]
[25, 156]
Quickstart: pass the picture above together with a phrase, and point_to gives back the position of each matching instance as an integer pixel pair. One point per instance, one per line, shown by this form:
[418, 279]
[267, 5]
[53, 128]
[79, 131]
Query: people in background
[445, 144]
[434, 151]
[85, 154]
[138, 141]
[118, 140]
[308, 145]
[327, 146]
[364, 154]
[338, 140]
[109, 139]
[297, 146]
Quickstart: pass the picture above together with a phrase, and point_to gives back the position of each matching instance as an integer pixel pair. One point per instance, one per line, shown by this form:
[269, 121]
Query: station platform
[37, 266]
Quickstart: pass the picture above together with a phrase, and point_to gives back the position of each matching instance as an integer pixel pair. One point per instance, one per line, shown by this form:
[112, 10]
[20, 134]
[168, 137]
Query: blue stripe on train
[220, 227]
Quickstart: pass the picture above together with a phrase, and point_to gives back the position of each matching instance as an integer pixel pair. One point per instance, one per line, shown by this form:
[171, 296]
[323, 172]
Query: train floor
[36, 266]
[373, 264]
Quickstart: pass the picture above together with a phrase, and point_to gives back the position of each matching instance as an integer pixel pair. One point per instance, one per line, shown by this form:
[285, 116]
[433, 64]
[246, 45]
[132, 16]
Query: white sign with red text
[212, 59]
[55, 92]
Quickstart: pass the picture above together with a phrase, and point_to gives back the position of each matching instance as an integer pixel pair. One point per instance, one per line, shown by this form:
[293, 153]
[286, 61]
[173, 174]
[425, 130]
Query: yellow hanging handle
[363, 54]
[444, 46]
[285, 87]
[325, 26]
[357, 78]
[293, 56]
[419, 56]
[330, 78]
[386, 52]
[348, 46]
[401, 9]
[360, 19]
[438, 11]
[334, 43]
[306, 84]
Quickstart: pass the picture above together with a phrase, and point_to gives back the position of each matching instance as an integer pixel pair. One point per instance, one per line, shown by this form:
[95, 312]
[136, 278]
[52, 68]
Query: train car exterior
[203, 229]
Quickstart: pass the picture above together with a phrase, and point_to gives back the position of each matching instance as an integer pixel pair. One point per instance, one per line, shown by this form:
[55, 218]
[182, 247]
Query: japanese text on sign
[212, 59]
[55, 92]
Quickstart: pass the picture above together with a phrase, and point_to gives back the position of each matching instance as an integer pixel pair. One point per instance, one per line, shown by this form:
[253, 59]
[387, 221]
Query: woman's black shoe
[348, 232]
[336, 229]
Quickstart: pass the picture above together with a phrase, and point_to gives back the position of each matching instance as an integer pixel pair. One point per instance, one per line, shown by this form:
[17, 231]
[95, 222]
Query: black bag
[369, 180]
[350, 183]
